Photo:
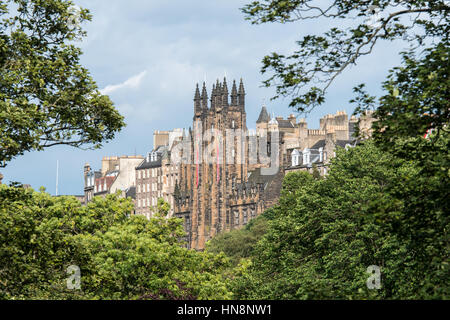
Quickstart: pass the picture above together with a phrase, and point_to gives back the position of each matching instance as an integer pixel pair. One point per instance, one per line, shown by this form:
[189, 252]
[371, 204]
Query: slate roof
[343, 143]
[149, 164]
[285, 124]
[161, 151]
[319, 144]
[263, 116]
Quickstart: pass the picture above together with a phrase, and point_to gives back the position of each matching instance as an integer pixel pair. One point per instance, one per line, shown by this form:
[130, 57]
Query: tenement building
[156, 175]
[116, 174]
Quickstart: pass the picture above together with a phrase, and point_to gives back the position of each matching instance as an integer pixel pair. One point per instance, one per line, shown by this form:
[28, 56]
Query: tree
[306, 74]
[239, 244]
[325, 233]
[119, 257]
[46, 97]
[413, 114]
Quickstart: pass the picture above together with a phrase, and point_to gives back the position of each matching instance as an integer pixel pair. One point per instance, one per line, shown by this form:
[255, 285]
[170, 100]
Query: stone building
[218, 196]
[217, 176]
[310, 148]
[157, 176]
[148, 182]
[116, 174]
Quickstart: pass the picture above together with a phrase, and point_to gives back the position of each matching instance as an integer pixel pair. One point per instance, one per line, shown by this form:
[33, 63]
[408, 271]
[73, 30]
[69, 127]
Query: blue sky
[148, 56]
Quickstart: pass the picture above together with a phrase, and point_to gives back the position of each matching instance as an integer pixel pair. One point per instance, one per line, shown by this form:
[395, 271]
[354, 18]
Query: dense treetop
[47, 97]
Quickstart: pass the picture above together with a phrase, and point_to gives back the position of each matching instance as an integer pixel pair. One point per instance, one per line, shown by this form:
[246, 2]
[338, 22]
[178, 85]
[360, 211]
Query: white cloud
[133, 82]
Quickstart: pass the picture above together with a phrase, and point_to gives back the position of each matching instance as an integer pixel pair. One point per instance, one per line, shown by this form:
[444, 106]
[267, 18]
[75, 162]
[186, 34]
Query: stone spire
[197, 102]
[234, 94]
[241, 95]
[213, 97]
[225, 93]
[218, 100]
[204, 97]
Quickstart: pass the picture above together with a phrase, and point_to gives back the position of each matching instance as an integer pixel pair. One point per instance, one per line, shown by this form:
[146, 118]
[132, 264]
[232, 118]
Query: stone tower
[218, 161]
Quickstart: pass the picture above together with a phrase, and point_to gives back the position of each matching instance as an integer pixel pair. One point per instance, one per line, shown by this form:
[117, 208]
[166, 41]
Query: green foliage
[306, 74]
[119, 257]
[46, 97]
[416, 101]
[383, 203]
[316, 172]
[239, 244]
[372, 209]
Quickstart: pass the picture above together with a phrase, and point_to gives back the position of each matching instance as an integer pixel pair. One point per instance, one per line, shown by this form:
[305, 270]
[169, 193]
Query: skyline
[148, 59]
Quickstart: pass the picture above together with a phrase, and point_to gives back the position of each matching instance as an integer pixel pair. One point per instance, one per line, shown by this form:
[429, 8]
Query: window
[139, 188]
[321, 154]
[236, 218]
[295, 158]
[232, 124]
[306, 156]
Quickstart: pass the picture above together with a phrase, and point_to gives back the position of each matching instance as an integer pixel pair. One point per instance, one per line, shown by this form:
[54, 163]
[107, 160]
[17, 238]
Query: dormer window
[295, 158]
[306, 157]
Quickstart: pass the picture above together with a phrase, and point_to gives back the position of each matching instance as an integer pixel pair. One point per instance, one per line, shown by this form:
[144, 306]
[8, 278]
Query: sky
[149, 55]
